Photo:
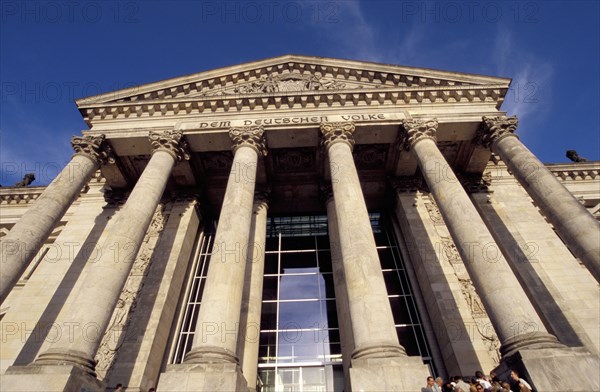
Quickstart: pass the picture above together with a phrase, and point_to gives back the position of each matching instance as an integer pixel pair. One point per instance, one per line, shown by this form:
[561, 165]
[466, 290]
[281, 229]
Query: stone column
[378, 362]
[253, 290]
[367, 296]
[514, 318]
[216, 334]
[96, 296]
[579, 229]
[28, 235]
[339, 282]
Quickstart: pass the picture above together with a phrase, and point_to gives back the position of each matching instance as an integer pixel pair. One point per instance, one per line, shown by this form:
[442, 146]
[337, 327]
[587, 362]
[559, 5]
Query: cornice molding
[579, 171]
[247, 103]
[576, 174]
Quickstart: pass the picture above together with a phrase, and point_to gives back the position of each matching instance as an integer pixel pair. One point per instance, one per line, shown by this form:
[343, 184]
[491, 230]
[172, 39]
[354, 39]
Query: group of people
[479, 383]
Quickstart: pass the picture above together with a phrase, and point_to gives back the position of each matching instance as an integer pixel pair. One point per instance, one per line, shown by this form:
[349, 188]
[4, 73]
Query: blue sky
[55, 51]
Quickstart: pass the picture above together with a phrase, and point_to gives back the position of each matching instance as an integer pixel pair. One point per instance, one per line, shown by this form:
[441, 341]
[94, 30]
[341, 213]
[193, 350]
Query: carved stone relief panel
[119, 327]
[483, 327]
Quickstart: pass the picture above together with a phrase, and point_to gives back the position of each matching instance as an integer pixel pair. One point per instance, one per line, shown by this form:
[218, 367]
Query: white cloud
[530, 93]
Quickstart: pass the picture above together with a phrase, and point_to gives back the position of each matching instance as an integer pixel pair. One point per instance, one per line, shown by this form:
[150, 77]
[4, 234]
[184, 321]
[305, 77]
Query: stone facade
[500, 250]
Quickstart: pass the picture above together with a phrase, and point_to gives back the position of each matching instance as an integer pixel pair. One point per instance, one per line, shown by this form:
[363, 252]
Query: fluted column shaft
[339, 282]
[216, 332]
[373, 329]
[28, 235]
[512, 314]
[579, 228]
[253, 290]
[97, 295]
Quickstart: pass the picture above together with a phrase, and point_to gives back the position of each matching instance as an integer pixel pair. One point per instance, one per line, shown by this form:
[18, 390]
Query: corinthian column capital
[413, 131]
[262, 198]
[334, 132]
[493, 129]
[172, 142]
[252, 136]
[93, 147]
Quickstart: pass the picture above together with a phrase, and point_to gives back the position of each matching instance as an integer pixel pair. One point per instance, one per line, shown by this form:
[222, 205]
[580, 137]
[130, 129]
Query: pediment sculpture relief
[282, 83]
[275, 83]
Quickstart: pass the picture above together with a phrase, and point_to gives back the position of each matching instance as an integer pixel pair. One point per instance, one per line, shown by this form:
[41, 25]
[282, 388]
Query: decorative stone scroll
[94, 147]
[251, 136]
[413, 130]
[171, 141]
[334, 132]
[493, 129]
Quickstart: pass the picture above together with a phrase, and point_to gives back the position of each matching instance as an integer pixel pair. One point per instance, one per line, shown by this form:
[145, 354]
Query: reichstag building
[301, 224]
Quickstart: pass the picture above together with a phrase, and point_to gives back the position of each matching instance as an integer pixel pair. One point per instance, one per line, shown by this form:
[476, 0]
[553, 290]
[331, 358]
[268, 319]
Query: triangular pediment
[293, 75]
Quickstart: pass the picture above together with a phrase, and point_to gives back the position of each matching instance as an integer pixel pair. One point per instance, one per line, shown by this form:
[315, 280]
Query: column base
[67, 357]
[388, 374]
[202, 377]
[49, 378]
[379, 351]
[554, 369]
[210, 354]
[529, 341]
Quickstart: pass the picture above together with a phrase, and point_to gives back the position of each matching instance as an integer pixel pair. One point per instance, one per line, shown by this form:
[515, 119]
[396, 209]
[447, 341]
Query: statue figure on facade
[27, 179]
[572, 155]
